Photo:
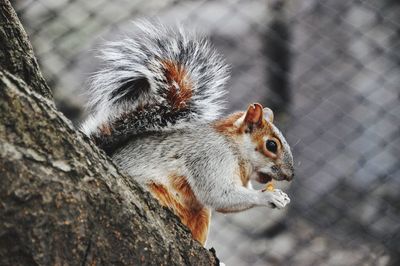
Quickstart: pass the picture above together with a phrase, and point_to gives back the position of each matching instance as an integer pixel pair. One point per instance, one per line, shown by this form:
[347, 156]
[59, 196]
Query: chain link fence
[331, 71]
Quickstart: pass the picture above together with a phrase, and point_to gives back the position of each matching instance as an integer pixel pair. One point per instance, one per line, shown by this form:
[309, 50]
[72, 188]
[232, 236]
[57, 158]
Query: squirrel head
[260, 143]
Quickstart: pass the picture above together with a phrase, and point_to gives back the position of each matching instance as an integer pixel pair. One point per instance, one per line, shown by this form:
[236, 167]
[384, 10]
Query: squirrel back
[163, 78]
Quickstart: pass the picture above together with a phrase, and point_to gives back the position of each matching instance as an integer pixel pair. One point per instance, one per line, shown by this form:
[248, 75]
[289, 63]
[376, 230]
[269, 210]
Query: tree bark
[62, 202]
[16, 54]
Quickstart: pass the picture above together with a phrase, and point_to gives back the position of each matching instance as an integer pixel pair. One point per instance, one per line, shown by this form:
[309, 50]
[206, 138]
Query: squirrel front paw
[277, 198]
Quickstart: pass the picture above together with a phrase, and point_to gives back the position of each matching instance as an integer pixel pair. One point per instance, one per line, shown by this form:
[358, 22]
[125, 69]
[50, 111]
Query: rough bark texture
[16, 55]
[62, 202]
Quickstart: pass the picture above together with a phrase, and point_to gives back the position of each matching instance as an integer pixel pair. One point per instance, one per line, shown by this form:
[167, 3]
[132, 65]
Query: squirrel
[155, 110]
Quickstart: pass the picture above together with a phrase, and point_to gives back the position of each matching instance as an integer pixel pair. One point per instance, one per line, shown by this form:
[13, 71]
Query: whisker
[297, 142]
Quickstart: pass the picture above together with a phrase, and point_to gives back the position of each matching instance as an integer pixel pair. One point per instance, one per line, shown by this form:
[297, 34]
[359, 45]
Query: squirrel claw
[278, 199]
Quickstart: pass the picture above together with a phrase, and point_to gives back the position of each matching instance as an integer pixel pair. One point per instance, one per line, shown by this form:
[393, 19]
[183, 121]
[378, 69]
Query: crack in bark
[89, 245]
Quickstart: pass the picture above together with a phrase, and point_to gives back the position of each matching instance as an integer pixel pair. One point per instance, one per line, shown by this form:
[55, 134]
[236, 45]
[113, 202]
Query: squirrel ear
[268, 115]
[254, 115]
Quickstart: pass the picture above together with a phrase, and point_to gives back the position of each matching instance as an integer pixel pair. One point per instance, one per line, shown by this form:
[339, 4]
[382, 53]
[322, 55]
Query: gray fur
[207, 159]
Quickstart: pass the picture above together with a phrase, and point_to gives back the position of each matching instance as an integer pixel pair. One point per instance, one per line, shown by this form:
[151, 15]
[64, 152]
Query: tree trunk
[62, 202]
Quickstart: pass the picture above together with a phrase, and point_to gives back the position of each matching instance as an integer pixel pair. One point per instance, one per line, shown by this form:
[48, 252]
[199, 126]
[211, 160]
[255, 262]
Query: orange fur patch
[258, 137]
[244, 173]
[105, 129]
[182, 201]
[226, 125]
[180, 88]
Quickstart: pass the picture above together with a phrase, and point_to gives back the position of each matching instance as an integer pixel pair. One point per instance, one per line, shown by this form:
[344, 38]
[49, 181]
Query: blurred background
[330, 69]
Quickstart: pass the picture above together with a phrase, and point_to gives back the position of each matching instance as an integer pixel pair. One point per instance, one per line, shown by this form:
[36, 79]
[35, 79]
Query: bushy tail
[161, 78]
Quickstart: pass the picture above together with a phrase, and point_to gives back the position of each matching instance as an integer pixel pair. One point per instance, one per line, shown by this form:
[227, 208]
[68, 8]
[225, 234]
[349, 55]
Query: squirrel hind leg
[180, 199]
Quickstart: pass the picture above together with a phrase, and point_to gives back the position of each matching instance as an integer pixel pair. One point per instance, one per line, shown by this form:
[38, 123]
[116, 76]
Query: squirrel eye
[271, 146]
